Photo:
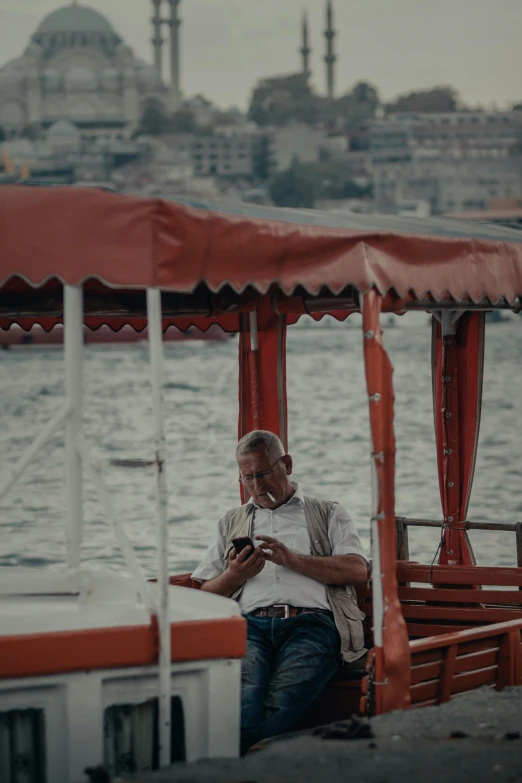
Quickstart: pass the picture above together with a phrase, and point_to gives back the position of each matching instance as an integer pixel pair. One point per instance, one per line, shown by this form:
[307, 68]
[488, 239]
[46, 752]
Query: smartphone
[240, 543]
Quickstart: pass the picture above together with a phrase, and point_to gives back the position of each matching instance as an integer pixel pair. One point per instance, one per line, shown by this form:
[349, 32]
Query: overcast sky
[398, 45]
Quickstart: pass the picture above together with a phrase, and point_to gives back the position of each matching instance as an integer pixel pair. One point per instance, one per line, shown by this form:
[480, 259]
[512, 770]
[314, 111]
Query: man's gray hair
[260, 439]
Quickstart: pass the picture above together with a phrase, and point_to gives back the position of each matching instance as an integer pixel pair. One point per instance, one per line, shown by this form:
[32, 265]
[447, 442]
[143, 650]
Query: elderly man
[295, 588]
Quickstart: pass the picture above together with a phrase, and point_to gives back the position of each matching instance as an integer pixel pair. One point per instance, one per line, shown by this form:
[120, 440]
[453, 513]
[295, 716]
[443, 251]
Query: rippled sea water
[328, 430]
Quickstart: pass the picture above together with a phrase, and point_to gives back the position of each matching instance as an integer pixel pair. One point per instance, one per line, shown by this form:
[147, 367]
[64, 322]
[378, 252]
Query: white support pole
[254, 341]
[140, 581]
[377, 590]
[156, 364]
[73, 331]
[48, 431]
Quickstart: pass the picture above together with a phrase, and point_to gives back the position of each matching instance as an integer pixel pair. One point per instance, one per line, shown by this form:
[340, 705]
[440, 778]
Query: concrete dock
[474, 738]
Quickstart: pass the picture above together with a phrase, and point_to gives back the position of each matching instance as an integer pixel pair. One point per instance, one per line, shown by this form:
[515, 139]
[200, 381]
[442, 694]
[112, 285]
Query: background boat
[17, 337]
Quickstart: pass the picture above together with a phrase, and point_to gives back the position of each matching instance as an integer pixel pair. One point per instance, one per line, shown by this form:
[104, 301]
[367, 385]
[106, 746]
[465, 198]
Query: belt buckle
[286, 609]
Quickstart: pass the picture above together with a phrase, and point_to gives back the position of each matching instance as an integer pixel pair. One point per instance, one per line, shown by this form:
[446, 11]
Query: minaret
[157, 40]
[305, 49]
[174, 24]
[330, 57]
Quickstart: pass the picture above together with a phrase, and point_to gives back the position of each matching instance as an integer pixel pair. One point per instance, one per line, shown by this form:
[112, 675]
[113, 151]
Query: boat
[16, 337]
[96, 668]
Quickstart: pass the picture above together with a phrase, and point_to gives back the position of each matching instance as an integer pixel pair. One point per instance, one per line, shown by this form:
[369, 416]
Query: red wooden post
[447, 673]
[506, 661]
[517, 657]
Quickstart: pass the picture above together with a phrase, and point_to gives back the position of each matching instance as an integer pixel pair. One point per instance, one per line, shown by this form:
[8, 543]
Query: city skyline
[227, 45]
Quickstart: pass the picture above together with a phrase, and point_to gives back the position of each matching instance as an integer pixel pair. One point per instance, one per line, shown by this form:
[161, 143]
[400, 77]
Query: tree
[441, 98]
[357, 106]
[283, 99]
[352, 189]
[363, 92]
[333, 179]
[3, 135]
[183, 121]
[153, 122]
[32, 132]
[293, 187]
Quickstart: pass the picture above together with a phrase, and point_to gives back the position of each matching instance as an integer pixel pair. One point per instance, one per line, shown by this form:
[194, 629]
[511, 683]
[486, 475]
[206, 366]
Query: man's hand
[331, 570]
[279, 553]
[241, 567]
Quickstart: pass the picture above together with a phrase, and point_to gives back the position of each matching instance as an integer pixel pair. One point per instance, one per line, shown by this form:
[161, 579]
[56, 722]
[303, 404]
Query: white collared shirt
[277, 584]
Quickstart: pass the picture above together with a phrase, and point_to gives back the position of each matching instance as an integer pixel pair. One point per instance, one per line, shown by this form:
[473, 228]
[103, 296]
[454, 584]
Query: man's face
[276, 482]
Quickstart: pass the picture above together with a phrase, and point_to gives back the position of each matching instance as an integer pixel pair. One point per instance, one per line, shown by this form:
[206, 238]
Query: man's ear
[287, 461]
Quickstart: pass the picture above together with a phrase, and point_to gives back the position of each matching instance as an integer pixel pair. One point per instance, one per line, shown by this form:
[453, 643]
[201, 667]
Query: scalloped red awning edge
[464, 296]
[204, 325]
[47, 324]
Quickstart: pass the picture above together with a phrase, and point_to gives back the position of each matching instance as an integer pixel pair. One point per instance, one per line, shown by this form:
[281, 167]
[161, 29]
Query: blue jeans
[287, 664]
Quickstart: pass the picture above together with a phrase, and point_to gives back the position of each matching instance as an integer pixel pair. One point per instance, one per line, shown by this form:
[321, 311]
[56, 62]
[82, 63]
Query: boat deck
[475, 738]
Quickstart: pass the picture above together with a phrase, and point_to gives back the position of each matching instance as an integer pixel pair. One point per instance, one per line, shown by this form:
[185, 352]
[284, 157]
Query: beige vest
[347, 615]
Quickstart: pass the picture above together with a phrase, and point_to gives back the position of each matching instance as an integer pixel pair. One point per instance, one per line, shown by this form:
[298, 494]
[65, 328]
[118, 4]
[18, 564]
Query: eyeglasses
[259, 476]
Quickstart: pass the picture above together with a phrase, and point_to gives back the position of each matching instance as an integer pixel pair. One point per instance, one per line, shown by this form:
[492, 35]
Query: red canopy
[117, 244]
[76, 234]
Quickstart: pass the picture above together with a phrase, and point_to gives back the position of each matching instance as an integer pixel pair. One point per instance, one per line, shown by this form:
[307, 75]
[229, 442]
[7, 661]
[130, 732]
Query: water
[328, 429]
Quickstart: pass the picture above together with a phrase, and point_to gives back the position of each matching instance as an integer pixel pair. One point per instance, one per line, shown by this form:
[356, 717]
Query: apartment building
[448, 185]
[455, 161]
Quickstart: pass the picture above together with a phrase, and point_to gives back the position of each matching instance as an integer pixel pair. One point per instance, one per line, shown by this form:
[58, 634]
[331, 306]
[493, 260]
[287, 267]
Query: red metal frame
[391, 661]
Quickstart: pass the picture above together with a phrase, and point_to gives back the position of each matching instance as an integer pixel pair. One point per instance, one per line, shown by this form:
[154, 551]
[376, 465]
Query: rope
[442, 528]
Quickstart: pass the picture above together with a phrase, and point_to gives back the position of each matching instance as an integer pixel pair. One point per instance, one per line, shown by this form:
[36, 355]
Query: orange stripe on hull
[109, 648]
[208, 639]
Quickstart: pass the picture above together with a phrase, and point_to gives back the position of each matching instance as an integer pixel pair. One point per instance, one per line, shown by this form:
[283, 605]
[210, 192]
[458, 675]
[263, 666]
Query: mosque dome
[110, 79]
[80, 79]
[12, 72]
[74, 19]
[63, 129]
[51, 79]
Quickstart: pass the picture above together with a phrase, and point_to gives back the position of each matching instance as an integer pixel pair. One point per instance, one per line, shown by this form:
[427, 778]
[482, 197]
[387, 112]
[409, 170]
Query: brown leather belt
[283, 611]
